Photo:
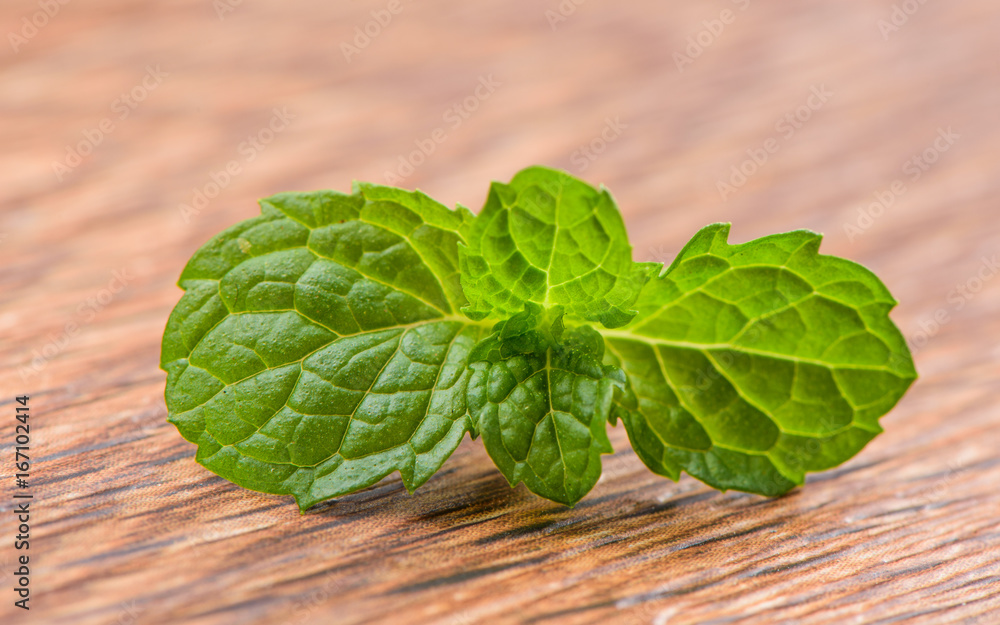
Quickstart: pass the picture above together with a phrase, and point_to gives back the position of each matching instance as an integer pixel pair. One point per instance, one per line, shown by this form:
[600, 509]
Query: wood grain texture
[128, 528]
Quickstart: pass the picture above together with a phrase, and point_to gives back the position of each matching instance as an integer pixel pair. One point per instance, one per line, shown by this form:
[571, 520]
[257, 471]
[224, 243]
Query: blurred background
[132, 132]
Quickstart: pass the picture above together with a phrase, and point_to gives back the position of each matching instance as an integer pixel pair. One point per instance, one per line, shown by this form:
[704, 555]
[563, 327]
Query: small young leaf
[543, 417]
[319, 348]
[530, 331]
[554, 240]
[750, 365]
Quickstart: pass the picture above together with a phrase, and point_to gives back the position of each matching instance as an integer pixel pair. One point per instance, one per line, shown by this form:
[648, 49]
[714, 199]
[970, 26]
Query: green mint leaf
[543, 416]
[750, 365]
[338, 338]
[319, 347]
[550, 239]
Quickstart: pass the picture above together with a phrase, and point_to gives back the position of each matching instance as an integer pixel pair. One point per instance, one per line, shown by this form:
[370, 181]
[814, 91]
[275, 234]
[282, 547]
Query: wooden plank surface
[127, 528]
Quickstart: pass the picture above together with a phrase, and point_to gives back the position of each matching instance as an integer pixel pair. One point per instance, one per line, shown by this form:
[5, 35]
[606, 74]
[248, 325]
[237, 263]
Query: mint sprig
[338, 338]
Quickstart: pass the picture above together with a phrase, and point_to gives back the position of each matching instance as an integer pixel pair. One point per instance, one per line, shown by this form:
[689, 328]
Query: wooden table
[127, 528]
